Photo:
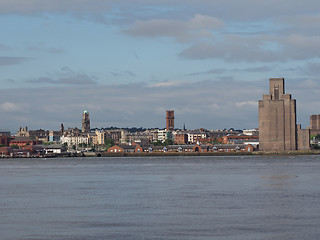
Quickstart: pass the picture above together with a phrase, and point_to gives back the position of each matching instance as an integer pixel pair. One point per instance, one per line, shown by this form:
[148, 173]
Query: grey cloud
[232, 48]
[198, 26]
[212, 71]
[123, 73]
[114, 74]
[75, 80]
[311, 68]
[305, 24]
[11, 80]
[42, 48]
[4, 47]
[5, 61]
[257, 48]
[130, 73]
[255, 69]
[35, 6]
[221, 70]
[66, 76]
[234, 9]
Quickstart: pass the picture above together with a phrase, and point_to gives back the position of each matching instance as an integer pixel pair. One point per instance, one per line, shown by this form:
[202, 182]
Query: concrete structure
[315, 122]
[303, 136]
[314, 125]
[85, 122]
[277, 119]
[170, 120]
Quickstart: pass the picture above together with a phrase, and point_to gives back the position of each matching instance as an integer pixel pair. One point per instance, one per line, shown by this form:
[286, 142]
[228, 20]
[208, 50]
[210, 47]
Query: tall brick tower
[170, 120]
[61, 129]
[277, 119]
[85, 122]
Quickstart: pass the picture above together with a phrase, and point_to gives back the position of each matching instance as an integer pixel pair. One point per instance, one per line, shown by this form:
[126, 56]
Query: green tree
[108, 144]
[168, 142]
[158, 143]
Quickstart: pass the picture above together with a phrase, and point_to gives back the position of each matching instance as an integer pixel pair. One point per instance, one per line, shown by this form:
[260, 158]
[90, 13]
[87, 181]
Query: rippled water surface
[160, 198]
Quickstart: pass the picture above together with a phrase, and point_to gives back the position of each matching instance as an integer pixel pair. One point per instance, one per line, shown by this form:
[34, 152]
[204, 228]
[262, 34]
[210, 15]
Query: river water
[224, 198]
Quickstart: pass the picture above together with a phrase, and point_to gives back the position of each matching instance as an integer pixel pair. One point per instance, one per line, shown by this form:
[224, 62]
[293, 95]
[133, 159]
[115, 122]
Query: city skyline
[127, 62]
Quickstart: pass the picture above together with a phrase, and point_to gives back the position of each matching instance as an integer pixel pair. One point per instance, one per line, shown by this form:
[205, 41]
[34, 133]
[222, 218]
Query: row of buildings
[278, 131]
[169, 139]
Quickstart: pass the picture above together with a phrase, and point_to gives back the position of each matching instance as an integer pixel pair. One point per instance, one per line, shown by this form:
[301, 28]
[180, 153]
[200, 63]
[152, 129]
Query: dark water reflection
[160, 198]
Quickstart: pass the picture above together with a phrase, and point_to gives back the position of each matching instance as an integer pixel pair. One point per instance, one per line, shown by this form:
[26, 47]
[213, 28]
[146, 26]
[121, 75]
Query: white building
[250, 132]
[74, 140]
[194, 136]
[162, 135]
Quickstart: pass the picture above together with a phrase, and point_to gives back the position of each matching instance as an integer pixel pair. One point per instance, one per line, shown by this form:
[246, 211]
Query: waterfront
[225, 197]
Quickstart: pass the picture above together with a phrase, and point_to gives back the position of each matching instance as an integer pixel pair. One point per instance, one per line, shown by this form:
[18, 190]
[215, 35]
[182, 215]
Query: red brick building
[181, 138]
[4, 140]
[125, 149]
[21, 142]
[232, 138]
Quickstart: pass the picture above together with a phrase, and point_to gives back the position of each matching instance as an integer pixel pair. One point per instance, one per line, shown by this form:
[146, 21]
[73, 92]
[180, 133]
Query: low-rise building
[250, 132]
[229, 139]
[232, 148]
[54, 148]
[21, 142]
[123, 148]
[6, 151]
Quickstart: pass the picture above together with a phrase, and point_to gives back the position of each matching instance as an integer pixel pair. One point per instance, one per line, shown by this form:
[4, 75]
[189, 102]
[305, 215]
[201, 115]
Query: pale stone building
[277, 119]
[278, 130]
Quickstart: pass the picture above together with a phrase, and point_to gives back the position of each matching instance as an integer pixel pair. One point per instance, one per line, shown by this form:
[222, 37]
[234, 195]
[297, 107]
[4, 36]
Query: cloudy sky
[127, 61]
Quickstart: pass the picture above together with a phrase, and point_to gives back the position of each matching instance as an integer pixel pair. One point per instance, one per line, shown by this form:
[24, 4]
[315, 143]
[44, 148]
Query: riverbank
[169, 154]
[105, 154]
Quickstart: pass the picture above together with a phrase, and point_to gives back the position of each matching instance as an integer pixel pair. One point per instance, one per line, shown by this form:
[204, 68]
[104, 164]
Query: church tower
[277, 119]
[85, 122]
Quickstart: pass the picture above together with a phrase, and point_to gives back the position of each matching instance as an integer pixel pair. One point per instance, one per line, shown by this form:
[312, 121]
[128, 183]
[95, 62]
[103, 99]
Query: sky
[128, 61]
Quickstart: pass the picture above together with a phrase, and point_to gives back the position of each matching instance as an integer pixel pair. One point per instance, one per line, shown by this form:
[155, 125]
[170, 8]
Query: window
[276, 93]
